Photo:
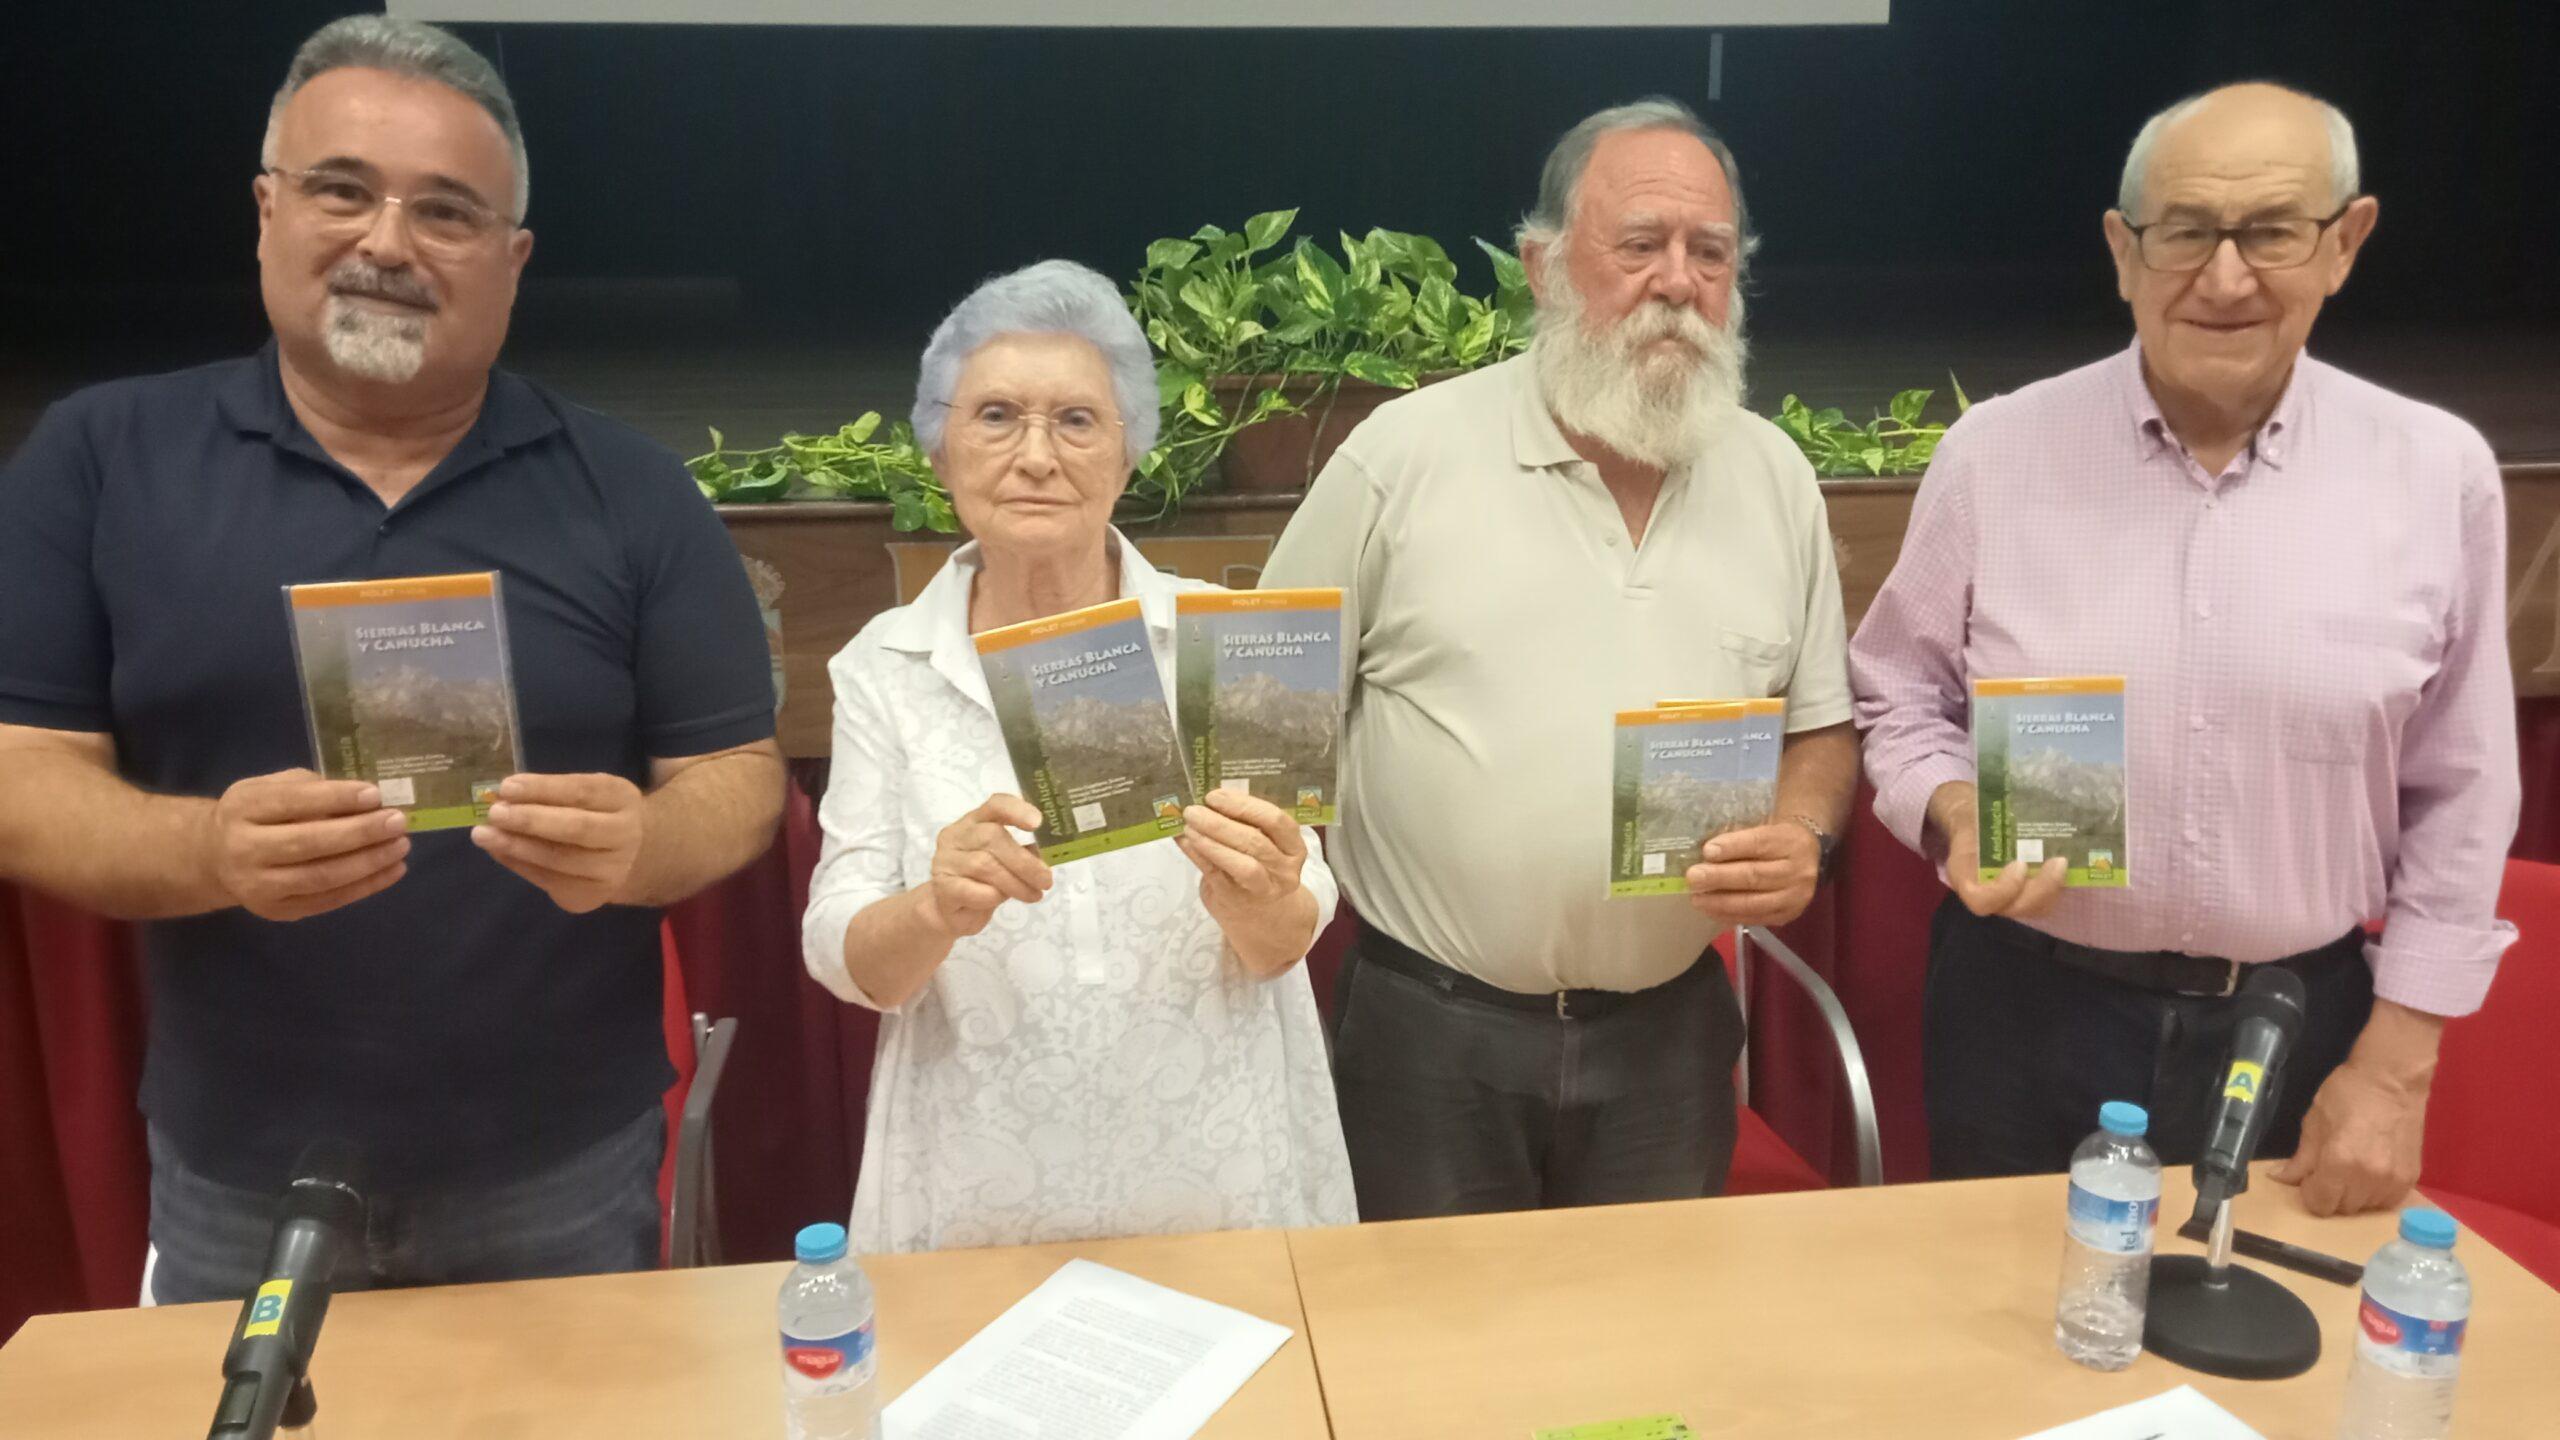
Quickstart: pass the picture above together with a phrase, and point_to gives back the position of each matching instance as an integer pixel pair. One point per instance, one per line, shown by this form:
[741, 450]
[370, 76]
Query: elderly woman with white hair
[1125, 1045]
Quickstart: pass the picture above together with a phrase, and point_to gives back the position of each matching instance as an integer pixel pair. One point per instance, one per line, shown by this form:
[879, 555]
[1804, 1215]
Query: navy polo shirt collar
[512, 415]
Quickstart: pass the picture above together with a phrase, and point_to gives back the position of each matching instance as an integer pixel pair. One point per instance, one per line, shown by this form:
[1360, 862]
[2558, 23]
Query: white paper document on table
[2181, 1414]
[1093, 1354]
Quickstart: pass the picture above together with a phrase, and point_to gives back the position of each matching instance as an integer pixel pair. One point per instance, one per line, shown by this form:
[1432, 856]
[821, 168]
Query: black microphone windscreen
[328, 1185]
[2274, 994]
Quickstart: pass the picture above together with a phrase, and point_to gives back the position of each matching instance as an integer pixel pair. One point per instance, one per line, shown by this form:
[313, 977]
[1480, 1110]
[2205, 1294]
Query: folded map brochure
[1685, 772]
[1082, 709]
[406, 684]
[1649, 1427]
[2049, 776]
[1258, 694]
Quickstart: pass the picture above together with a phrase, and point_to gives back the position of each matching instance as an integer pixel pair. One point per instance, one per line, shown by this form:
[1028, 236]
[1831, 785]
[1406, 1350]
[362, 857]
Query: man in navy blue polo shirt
[476, 1010]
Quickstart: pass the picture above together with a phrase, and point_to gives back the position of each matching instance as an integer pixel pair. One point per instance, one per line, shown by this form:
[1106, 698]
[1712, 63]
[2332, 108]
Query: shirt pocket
[2356, 680]
[1763, 665]
[2318, 737]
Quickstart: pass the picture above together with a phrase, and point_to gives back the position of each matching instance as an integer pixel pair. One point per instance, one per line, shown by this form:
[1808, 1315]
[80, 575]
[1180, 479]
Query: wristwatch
[1822, 838]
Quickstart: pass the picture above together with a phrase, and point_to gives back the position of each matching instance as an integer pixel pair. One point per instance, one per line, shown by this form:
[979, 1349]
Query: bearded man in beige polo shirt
[1595, 526]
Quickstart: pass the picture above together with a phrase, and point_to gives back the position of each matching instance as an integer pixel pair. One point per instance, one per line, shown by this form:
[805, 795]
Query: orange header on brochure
[479, 584]
[1675, 712]
[2054, 685]
[1727, 709]
[1198, 602]
[1031, 631]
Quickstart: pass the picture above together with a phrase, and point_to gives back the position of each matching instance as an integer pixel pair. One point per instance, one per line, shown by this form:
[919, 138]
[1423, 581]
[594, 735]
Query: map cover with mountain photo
[1258, 694]
[1686, 772]
[406, 684]
[1082, 709]
[2049, 776]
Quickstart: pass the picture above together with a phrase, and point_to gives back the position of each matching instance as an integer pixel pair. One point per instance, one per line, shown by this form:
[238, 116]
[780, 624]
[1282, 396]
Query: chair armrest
[1844, 1040]
[690, 1240]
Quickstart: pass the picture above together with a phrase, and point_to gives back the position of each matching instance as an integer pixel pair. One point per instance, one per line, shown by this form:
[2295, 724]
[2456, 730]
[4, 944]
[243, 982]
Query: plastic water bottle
[2417, 1304]
[829, 1374]
[2106, 1249]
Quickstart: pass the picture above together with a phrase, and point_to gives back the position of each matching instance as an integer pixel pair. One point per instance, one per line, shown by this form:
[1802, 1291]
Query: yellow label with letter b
[2246, 1077]
[266, 1313]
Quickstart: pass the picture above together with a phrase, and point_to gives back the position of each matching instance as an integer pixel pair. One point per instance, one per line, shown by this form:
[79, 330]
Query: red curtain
[2538, 746]
[1868, 935]
[74, 1183]
[73, 1179]
[787, 1124]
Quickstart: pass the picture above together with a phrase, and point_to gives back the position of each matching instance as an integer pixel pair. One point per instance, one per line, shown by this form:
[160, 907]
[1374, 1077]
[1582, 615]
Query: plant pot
[1283, 454]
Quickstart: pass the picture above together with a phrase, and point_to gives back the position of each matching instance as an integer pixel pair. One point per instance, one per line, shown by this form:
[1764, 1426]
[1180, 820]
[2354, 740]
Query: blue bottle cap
[819, 1244]
[2431, 1228]
[2123, 1117]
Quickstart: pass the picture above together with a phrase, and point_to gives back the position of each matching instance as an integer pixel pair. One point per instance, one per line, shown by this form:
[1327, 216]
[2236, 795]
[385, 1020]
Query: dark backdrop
[853, 181]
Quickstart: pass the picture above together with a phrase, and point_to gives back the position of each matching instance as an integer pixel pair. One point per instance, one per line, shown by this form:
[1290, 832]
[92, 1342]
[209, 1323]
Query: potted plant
[1893, 443]
[1267, 357]
[1267, 363]
[844, 464]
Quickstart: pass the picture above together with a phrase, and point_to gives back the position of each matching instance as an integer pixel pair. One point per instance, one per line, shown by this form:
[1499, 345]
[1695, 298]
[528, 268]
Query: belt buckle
[2230, 980]
[1563, 1009]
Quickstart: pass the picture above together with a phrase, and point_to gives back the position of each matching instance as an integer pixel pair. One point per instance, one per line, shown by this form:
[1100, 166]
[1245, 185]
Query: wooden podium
[824, 568]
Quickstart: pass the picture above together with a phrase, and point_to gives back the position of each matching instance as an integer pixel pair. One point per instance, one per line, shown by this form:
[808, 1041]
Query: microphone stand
[301, 1412]
[2223, 1319]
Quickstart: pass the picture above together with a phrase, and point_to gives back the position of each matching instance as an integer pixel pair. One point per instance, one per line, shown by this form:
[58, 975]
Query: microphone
[266, 1370]
[2206, 1313]
[2270, 1007]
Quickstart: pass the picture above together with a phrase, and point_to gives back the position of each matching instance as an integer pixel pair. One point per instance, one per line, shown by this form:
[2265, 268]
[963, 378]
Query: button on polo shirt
[460, 1027]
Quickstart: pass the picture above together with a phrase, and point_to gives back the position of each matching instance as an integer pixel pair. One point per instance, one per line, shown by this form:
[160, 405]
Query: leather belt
[1389, 953]
[2169, 971]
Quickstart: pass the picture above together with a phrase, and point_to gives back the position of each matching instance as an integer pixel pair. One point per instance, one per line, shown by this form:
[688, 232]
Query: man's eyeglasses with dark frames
[2178, 246]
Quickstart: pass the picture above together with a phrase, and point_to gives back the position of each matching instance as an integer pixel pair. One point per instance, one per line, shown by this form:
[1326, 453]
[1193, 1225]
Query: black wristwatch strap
[1821, 837]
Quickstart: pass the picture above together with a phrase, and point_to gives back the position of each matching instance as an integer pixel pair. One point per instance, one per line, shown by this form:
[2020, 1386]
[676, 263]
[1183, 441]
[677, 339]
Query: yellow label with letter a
[2246, 1077]
[266, 1313]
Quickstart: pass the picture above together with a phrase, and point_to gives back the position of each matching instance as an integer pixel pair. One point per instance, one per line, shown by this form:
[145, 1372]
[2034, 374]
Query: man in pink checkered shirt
[2301, 578]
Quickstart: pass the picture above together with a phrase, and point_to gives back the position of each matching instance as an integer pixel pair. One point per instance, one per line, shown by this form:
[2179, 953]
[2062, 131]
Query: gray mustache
[373, 281]
[1659, 322]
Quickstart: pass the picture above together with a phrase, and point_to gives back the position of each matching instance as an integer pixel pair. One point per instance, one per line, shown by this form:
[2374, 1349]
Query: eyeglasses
[438, 218]
[2178, 246]
[998, 424]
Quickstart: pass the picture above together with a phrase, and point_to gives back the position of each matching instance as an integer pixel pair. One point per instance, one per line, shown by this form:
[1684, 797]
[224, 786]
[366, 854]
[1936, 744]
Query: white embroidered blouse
[1095, 1064]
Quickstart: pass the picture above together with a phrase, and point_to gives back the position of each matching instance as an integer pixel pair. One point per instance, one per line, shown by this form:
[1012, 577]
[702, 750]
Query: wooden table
[684, 1354]
[1906, 1313]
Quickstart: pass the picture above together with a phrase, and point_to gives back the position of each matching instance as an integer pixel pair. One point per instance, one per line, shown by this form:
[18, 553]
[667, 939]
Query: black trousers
[1454, 1106]
[2020, 1050]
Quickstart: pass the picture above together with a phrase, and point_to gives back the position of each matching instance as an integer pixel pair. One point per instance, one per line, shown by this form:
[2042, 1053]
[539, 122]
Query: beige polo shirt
[1503, 618]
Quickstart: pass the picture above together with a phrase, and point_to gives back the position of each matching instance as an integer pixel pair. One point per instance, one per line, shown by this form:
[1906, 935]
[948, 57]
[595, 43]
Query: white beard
[371, 345]
[1659, 409]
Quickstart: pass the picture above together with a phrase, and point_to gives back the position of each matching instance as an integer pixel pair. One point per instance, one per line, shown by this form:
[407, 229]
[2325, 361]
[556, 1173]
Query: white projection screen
[1168, 14]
